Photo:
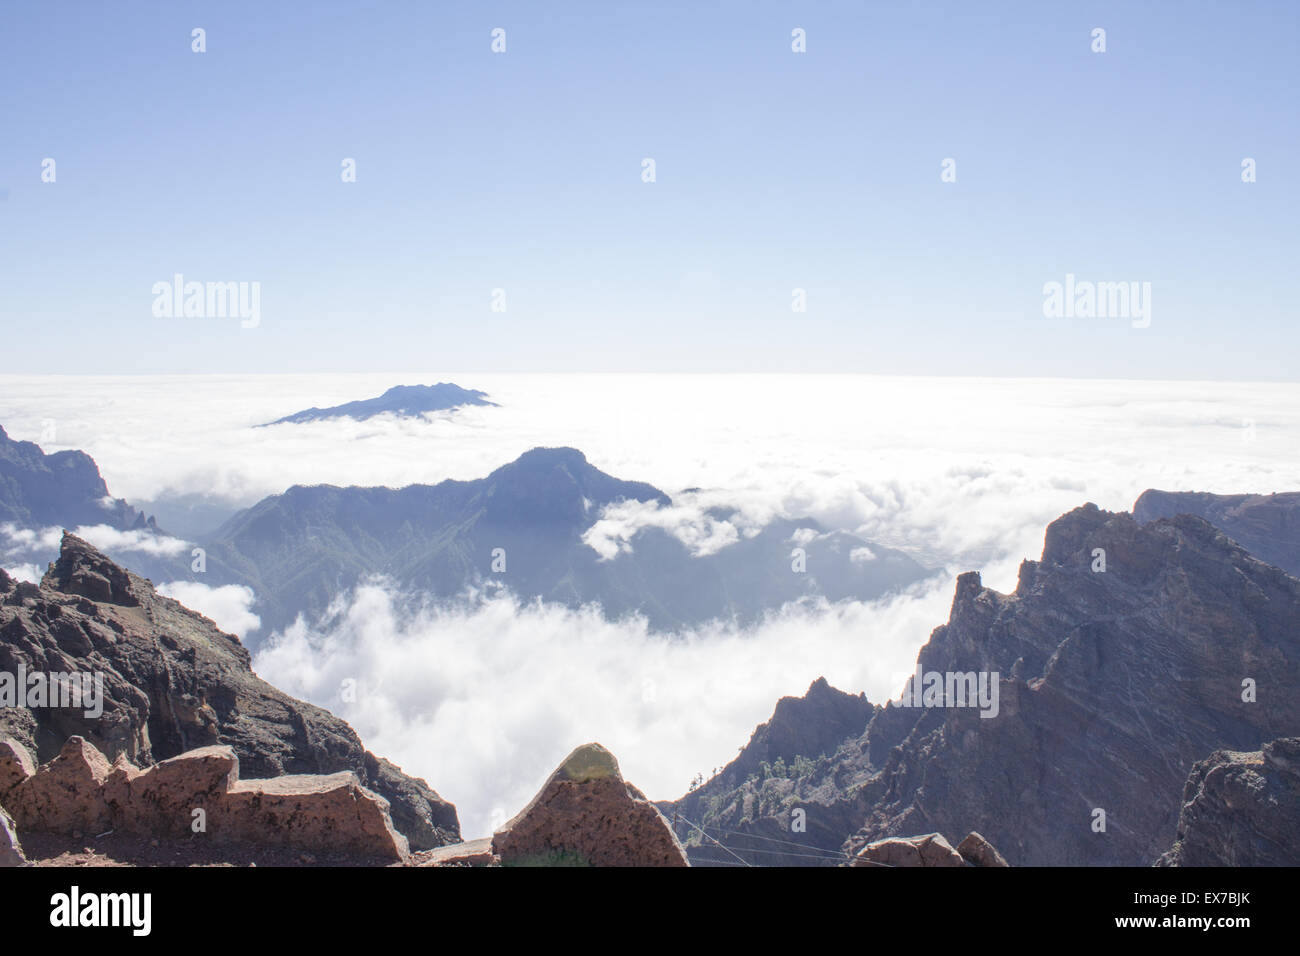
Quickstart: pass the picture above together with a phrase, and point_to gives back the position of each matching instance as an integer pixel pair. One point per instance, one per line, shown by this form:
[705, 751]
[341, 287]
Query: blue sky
[775, 171]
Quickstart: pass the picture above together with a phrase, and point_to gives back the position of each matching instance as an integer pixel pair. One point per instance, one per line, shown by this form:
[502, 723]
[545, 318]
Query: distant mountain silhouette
[64, 489]
[301, 549]
[401, 400]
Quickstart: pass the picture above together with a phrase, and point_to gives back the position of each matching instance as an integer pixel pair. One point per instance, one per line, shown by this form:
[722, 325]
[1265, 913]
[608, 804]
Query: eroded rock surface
[587, 815]
[1125, 655]
[172, 683]
[1241, 809]
[199, 794]
[1112, 684]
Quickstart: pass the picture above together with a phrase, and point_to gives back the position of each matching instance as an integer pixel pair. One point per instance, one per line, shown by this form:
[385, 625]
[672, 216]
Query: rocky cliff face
[172, 682]
[1268, 526]
[1241, 809]
[1110, 685]
[62, 489]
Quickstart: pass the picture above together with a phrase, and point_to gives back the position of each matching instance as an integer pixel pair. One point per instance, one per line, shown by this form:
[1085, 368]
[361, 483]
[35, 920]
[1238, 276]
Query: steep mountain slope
[401, 400]
[523, 527]
[1111, 685]
[799, 739]
[173, 682]
[63, 489]
[1268, 526]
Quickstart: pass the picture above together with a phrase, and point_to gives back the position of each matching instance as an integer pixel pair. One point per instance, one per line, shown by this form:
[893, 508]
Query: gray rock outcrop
[1241, 809]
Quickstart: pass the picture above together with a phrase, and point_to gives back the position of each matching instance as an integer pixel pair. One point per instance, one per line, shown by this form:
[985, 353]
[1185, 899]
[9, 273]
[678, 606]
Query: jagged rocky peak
[810, 725]
[800, 727]
[173, 682]
[1125, 654]
[1063, 540]
[1120, 660]
[751, 797]
[85, 570]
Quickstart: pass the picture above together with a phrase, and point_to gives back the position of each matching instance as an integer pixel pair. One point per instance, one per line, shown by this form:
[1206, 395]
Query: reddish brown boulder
[16, 765]
[163, 798]
[333, 813]
[66, 795]
[200, 793]
[587, 815]
[929, 849]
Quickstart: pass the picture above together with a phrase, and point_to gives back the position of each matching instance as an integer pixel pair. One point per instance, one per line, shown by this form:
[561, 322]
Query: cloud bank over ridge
[483, 701]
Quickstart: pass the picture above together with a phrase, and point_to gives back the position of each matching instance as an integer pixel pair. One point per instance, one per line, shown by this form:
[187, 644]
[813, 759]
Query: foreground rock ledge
[588, 815]
[79, 792]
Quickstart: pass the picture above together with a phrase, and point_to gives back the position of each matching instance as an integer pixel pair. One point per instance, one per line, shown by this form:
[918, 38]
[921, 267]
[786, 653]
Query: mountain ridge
[1112, 685]
[524, 526]
[62, 488]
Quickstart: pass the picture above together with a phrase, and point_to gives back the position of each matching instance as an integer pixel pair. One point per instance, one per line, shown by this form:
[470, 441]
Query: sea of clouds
[484, 701]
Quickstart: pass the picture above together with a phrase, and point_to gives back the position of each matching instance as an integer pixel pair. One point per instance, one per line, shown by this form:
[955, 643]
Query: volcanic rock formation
[172, 682]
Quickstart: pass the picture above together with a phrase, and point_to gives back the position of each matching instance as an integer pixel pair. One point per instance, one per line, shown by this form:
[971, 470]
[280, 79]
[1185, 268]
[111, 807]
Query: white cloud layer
[957, 471]
[24, 572]
[687, 519]
[16, 542]
[484, 703]
[108, 538]
[228, 606]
